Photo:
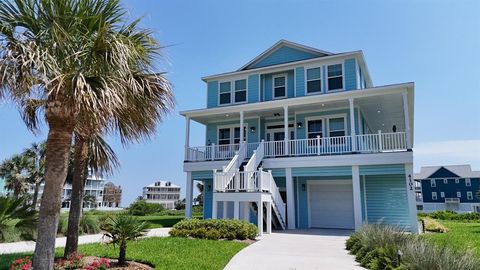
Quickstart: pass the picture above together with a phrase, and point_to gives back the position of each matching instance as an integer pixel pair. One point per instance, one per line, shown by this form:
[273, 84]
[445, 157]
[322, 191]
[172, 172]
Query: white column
[236, 210]
[242, 136]
[246, 211]
[290, 199]
[285, 128]
[352, 126]
[189, 196]
[357, 201]
[412, 205]
[214, 207]
[187, 132]
[269, 216]
[407, 120]
[260, 217]
[225, 206]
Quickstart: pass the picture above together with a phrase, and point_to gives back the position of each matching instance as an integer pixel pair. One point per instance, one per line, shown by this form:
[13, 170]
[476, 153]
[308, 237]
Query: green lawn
[461, 236]
[164, 253]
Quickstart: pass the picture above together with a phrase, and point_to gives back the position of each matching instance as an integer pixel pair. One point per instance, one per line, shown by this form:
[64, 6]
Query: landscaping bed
[161, 253]
[379, 247]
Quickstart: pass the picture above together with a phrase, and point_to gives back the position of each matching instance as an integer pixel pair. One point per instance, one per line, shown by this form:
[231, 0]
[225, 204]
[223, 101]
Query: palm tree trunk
[122, 255]
[58, 145]
[35, 195]
[76, 201]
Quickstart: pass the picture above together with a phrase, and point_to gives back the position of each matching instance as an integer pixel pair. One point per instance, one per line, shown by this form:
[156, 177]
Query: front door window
[224, 136]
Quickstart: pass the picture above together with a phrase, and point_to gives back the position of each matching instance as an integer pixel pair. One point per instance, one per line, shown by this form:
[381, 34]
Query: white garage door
[331, 205]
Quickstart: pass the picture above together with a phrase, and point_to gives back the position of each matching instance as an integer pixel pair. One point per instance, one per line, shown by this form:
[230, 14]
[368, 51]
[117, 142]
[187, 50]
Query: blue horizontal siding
[382, 169]
[350, 74]
[212, 129]
[283, 55]
[212, 94]
[201, 175]
[207, 198]
[450, 189]
[386, 200]
[322, 171]
[300, 81]
[278, 172]
[253, 88]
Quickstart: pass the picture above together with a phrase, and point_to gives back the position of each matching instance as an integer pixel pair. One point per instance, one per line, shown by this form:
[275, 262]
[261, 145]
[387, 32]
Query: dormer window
[314, 82]
[240, 91]
[225, 93]
[335, 77]
[279, 86]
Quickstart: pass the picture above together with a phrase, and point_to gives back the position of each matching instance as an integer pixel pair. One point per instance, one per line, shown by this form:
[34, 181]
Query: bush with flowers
[100, 264]
[73, 261]
[21, 264]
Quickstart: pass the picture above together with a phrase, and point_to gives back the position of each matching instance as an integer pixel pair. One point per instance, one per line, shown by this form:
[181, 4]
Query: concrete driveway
[297, 249]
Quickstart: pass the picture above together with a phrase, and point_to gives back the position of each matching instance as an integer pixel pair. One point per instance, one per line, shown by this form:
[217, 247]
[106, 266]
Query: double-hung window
[336, 127]
[457, 181]
[225, 93]
[468, 182]
[236, 134]
[240, 91]
[445, 181]
[434, 196]
[224, 136]
[315, 128]
[459, 194]
[469, 195]
[279, 86]
[335, 77]
[442, 194]
[314, 81]
[432, 183]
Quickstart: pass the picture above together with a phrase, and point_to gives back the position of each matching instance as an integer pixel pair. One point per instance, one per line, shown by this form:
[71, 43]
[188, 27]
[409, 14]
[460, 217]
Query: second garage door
[331, 205]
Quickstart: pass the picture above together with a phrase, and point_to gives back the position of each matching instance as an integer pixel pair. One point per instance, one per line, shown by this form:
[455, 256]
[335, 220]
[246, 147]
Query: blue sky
[432, 43]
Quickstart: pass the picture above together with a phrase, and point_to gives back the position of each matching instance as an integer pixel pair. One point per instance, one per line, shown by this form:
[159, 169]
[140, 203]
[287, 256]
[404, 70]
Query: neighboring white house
[162, 192]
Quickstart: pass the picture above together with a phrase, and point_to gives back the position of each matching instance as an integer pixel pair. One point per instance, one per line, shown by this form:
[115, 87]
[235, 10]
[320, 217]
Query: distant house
[162, 192]
[3, 190]
[301, 138]
[112, 195]
[448, 188]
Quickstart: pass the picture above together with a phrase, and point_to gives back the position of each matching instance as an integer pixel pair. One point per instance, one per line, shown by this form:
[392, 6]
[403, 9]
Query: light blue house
[305, 134]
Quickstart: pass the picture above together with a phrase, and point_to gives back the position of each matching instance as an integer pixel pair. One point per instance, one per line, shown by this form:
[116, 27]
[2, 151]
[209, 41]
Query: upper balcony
[375, 120]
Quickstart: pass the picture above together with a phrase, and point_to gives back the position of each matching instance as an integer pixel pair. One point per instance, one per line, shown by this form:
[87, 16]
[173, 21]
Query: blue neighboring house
[448, 188]
[301, 138]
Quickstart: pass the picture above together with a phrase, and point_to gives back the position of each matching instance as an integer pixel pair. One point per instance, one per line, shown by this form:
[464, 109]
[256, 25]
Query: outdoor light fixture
[303, 187]
[252, 129]
[299, 125]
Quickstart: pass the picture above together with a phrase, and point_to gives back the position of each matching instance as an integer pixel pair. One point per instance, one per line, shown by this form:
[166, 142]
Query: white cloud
[453, 152]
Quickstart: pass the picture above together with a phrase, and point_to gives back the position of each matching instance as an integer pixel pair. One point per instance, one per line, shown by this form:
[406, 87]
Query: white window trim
[468, 182]
[434, 196]
[344, 125]
[307, 80]
[325, 119]
[284, 75]
[457, 181]
[232, 92]
[433, 183]
[459, 194]
[232, 132]
[445, 180]
[219, 93]
[469, 195]
[442, 194]
[327, 77]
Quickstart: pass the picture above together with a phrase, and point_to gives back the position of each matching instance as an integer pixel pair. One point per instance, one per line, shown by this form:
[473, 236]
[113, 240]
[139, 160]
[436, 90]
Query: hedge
[215, 229]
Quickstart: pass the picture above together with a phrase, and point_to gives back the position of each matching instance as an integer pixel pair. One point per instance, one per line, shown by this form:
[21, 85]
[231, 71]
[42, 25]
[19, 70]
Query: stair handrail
[256, 158]
[276, 198]
[235, 163]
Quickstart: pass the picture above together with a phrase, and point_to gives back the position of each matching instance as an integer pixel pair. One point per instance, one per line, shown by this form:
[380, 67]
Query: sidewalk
[26, 246]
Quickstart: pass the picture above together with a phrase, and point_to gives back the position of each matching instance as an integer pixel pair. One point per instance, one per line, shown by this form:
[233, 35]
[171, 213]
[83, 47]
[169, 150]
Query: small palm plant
[120, 229]
[16, 214]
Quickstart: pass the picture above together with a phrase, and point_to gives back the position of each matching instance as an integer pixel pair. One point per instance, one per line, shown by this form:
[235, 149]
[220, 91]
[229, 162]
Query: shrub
[73, 261]
[376, 247]
[432, 225]
[21, 264]
[450, 215]
[89, 224]
[101, 264]
[142, 208]
[215, 229]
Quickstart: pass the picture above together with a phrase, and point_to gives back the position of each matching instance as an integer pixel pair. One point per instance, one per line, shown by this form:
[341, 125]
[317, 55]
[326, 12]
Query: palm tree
[15, 173]
[16, 213]
[76, 60]
[122, 228]
[36, 167]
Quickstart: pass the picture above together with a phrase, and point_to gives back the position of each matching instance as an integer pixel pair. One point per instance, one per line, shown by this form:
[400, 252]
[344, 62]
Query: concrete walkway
[297, 250]
[27, 246]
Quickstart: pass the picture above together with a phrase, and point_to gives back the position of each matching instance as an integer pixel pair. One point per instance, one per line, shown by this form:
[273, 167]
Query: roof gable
[284, 52]
[442, 173]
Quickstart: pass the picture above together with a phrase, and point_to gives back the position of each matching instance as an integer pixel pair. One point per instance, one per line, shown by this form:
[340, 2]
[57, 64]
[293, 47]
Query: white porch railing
[366, 143]
[256, 157]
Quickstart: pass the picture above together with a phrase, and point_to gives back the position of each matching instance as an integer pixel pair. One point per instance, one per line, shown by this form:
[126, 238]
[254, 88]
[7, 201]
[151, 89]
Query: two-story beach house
[453, 188]
[301, 138]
